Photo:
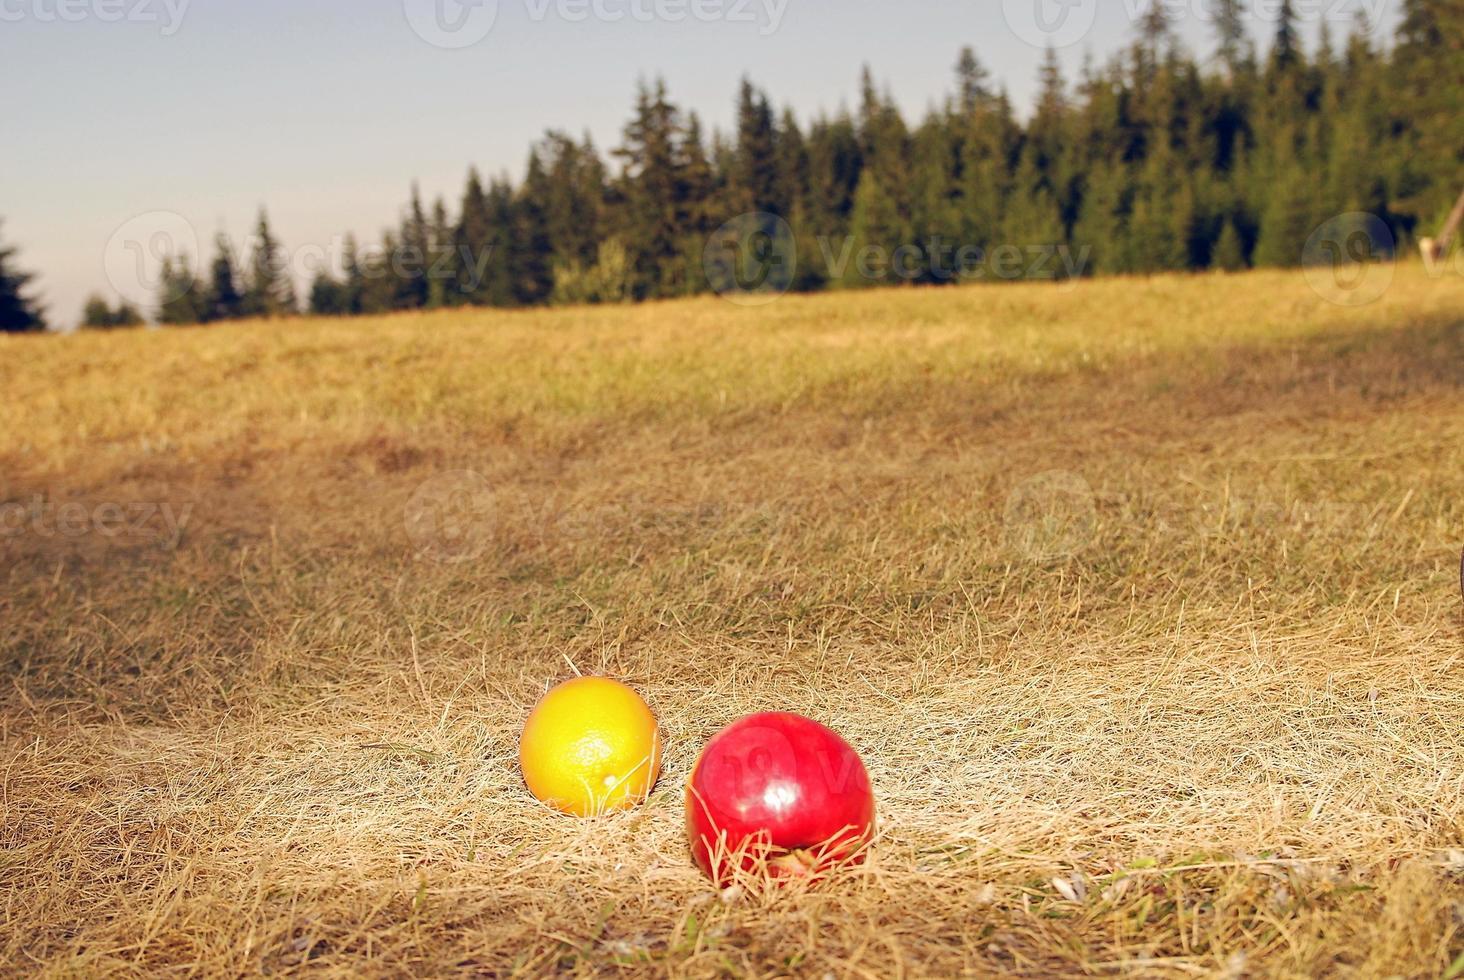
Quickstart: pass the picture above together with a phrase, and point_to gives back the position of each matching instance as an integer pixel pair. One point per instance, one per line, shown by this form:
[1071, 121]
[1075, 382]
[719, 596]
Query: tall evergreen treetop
[1286, 49]
[270, 290]
[972, 78]
[1234, 45]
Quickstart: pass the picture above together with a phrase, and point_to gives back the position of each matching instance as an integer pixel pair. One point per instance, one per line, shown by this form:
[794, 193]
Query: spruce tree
[270, 290]
[225, 300]
[441, 257]
[19, 312]
[935, 208]
[698, 188]
[654, 194]
[1233, 46]
[573, 197]
[378, 275]
[531, 251]
[972, 79]
[881, 217]
[757, 177]
[473, 240]
[413, 258]
[353, 288]
[1286, 49]
[182, 297]
[482, 243]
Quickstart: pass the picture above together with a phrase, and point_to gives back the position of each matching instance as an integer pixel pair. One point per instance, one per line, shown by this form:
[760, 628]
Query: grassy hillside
[1140, 598]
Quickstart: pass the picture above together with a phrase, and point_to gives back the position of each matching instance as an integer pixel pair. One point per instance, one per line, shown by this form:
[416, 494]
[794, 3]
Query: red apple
[780, 792]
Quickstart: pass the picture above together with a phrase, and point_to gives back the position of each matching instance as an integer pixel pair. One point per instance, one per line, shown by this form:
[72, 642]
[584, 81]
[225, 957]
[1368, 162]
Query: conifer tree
[1233, 46]
[182, 297]
[19, 312]
[413, 259]
[698, 185]
[482, 243]
[1286, 49]
[441, 257]
[225, 300]
[972, 79]
[270, 290]
[654, 193]
[757, 179]
[531, 251]
[353, 289]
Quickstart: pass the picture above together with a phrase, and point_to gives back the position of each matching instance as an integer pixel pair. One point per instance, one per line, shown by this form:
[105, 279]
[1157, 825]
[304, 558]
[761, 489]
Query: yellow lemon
[590, 746]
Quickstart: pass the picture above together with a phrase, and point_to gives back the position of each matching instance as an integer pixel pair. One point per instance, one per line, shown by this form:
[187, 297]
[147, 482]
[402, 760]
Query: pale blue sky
[325, 111]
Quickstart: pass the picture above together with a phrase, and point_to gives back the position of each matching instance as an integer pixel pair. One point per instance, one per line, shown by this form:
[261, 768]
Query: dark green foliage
[1427, 80]
[655, 198]
[270, 290]
[531, 245]
[182, 299]
[225, 301]
[19, 313]
[481, 243]
[329, 297]
[97, 315]
[412, 262]
[1286, 50]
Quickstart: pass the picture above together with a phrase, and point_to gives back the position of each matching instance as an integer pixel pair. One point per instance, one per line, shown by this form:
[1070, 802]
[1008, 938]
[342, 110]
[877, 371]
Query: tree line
[1154, 161]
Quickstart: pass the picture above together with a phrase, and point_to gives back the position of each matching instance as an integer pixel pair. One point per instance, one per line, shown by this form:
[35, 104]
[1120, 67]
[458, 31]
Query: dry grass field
[1140, 599]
